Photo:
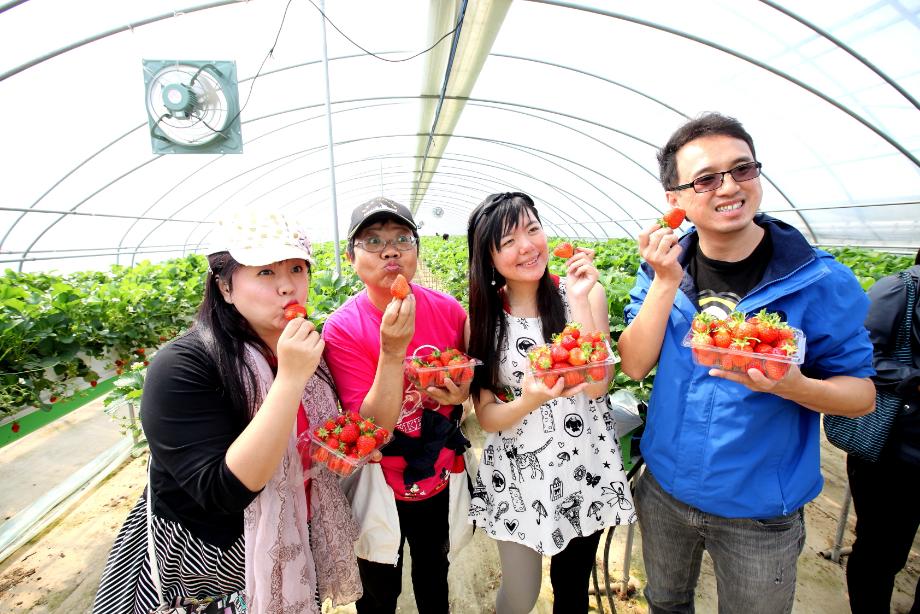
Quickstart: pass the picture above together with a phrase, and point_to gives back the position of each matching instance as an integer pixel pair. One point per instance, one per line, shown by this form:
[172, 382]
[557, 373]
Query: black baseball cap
[376, 208]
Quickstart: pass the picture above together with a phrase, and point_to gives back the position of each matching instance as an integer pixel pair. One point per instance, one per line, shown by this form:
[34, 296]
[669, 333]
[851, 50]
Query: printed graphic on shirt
[717, 304]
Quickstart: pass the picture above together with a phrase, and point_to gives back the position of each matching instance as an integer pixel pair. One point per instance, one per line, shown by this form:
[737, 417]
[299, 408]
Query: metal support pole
[335, 208]
[841, 525]
[133, 418]
[627, 561]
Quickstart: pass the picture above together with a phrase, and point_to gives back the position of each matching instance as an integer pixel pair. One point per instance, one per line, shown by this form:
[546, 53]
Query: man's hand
[658, 246]
[397, 326]
[450, 393]
[758, 382]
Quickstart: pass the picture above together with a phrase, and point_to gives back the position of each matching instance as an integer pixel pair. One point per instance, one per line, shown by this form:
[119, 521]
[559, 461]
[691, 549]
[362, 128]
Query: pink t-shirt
[352, 336]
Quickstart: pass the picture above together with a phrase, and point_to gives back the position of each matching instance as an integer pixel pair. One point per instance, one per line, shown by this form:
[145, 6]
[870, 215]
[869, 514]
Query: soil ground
[58, 571]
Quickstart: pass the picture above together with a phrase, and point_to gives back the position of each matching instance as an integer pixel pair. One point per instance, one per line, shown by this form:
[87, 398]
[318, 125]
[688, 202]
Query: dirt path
[58, 571]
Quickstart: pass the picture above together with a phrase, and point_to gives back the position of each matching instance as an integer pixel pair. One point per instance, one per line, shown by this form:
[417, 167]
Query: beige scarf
[283, 576]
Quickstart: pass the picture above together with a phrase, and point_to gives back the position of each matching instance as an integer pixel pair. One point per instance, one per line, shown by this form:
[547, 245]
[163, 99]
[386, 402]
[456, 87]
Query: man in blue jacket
[732, 458]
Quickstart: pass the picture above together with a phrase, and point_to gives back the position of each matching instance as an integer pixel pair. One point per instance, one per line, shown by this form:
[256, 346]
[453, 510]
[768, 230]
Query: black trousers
[570, 574]
[424, 524]
[887, 503]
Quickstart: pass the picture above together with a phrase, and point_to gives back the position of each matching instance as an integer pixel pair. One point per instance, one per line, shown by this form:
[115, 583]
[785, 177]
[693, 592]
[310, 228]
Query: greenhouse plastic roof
[565, 101]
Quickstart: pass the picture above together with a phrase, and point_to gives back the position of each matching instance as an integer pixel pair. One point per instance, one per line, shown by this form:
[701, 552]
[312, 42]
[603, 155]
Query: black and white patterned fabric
[188, 566]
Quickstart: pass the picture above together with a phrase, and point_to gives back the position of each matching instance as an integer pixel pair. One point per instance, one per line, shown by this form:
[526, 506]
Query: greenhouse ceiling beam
[14, 3]
[125, 28]
[842, 45]
[746, 58]
[65, 213]
[483, 20]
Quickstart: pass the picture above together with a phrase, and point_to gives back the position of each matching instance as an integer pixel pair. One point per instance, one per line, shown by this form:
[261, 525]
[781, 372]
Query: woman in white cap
[230, 511]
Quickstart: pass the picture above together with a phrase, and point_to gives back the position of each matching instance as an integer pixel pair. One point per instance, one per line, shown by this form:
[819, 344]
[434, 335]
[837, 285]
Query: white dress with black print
[556, 474]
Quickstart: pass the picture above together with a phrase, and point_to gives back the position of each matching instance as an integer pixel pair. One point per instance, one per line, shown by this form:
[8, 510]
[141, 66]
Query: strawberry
[673, 218]
[456, 369]
[294, 310]
[93, 383]
[568, 341]
[332, 442]
[703, 357]
[541, 360]
[573, 329]
[597, 373]
[365, 445]
[330, 425]
[550, 379]
[349, 433]
[139, 351]
[119, 371]
[756, 364]
[321, 454]
[599, 354]
[381, 434]
[15, 427]
[355, 417]
[400, 287]
[564, 250]
[577, 356]
[558, 353]
[321, 433]
[721, 338]
[53, 399]
[573, 377]
[775, 369]
[702, 323]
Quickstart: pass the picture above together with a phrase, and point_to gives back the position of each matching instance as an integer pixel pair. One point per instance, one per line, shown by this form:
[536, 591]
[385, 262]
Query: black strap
[421, 453]
[902, 350]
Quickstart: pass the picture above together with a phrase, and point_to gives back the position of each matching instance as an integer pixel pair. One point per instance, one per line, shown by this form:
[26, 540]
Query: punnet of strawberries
[345, 442]
[430, 366]
[573, 356]
[739, 343]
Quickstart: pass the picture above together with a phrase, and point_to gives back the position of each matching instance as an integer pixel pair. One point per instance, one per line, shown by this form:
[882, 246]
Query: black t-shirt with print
[721, 285]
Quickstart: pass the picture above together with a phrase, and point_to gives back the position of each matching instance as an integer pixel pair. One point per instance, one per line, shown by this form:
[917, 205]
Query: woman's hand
[581, 274]
[535, 393]
[299, 350]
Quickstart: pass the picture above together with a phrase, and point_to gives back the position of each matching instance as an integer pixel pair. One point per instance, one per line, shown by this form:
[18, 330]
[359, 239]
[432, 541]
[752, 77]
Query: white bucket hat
[256, 238]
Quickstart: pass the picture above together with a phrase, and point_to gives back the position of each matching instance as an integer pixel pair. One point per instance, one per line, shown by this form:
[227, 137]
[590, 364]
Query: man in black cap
[418, 492]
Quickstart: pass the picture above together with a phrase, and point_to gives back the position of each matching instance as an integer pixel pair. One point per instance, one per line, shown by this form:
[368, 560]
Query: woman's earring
[493, 276]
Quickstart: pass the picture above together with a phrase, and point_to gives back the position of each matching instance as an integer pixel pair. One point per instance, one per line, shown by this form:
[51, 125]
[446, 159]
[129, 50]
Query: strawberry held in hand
[673, 218]
[564, 250]
[400, 287]
[294, 310]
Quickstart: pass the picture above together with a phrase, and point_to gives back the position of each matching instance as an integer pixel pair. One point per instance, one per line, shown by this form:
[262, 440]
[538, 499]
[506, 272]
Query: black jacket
[889, 301]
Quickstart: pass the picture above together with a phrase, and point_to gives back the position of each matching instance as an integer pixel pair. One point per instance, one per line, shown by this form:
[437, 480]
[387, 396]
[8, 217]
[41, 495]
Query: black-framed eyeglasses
[713, 181]
[376, 245]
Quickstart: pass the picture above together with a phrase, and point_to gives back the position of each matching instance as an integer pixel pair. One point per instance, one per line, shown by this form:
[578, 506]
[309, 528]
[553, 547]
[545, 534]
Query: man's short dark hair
[708, 124]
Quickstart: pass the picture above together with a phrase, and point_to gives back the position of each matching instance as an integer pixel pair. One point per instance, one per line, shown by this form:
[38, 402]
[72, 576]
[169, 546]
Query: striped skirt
[188, 566]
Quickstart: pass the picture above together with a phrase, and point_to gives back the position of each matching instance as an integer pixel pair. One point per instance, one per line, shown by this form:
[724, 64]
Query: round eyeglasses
[708, 183]
[376, 245]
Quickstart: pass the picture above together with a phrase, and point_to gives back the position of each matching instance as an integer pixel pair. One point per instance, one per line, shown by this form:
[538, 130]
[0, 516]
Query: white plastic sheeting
[569, 105]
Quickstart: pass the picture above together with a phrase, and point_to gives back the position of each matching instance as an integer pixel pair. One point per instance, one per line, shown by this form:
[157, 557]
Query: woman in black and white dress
[551, 477]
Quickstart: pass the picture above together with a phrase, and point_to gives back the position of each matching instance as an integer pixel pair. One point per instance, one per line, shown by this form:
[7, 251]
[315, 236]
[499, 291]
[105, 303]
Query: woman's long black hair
[225, 334]
[494, 218]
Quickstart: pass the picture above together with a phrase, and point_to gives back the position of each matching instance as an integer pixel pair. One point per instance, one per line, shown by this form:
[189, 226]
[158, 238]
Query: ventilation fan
[437, 212]
[192, 107]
